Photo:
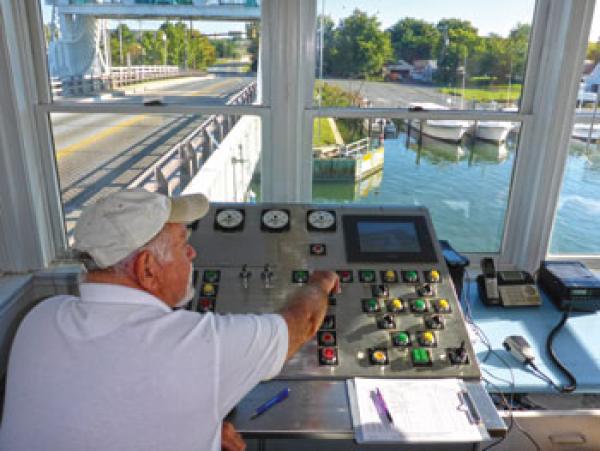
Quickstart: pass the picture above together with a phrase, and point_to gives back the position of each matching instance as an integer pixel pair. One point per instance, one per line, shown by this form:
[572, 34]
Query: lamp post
[164, 38]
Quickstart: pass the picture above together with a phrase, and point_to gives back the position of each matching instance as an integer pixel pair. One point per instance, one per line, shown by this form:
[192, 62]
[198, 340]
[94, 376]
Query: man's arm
[306, 309]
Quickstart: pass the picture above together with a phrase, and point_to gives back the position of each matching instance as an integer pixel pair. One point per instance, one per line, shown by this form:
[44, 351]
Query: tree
[458, 42]
[414, 39]
[253, 33]
[361, 48]
[121, 40]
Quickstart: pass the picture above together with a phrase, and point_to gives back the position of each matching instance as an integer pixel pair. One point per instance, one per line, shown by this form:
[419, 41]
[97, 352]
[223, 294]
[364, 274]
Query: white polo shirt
[119, 370]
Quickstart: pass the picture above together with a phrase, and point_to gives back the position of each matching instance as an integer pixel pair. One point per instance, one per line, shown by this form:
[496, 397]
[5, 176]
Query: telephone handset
[490, 281]
[506, 288]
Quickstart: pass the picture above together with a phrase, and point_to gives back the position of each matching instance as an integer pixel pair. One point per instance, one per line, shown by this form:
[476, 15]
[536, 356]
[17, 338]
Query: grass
[496, 93]
[324, 138]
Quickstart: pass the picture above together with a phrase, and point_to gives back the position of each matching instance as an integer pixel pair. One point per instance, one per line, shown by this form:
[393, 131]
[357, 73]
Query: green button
[367, 276]
[419, 304]
[411, 275]
[401, 338]
[420, 355]
[373, 303]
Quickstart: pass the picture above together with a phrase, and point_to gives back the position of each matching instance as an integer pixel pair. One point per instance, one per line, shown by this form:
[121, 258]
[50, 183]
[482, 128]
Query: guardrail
[174, 170]
[118, 76]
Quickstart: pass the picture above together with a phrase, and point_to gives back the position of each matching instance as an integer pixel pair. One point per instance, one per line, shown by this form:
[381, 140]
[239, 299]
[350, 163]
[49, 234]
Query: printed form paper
[426, 411]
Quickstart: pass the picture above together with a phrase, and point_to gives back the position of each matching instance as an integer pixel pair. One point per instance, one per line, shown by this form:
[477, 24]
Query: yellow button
[397, 304]
[379, 356]
[444, 305]
[208, 289]
[390, 276]
[434, 276]
[427, 337]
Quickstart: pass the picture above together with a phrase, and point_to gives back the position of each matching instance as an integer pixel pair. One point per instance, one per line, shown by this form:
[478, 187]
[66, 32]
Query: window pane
[465, 184]
[576, 224]
[462, 54]
[146, 50]
[100, 153]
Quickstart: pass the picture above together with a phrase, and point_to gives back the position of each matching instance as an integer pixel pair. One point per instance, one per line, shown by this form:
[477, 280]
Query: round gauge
[275, 220]
[229, 219]
[321, 220]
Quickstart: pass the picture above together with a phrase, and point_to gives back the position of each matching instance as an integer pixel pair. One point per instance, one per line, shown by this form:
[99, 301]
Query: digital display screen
[386, 237]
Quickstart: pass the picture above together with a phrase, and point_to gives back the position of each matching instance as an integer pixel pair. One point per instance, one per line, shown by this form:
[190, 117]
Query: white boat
[445, 129]
[495, 131]
[582, 132]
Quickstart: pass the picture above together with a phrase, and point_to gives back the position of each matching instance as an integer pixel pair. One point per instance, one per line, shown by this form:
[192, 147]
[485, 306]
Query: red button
[328, 353]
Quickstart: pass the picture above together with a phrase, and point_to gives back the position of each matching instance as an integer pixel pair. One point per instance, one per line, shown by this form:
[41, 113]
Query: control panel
[396, 315]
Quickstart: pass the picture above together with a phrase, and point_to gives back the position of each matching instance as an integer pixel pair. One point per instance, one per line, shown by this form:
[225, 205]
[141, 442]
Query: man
[117, 368]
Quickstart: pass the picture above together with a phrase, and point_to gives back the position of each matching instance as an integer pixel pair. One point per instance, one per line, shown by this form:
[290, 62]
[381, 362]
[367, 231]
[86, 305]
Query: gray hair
[159, 246]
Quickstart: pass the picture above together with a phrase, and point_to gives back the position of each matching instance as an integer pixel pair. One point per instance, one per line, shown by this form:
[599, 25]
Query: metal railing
[176, 168]
[118, 77]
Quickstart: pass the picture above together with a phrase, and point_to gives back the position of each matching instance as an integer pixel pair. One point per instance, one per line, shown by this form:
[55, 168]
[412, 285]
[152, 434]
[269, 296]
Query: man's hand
[231, 440]
[307, 307]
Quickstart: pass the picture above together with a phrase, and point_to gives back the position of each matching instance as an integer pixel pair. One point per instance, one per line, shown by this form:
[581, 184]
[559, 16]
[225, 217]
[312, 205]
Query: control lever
[425, 289]
[245, 275]
[267, 276]
[459, 356]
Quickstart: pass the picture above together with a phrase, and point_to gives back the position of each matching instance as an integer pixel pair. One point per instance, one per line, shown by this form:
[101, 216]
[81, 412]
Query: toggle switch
[458, 356]
[386, 321]
[380, 291]
[434, 322]
[267, 276]
[328, 322]
[245, 275]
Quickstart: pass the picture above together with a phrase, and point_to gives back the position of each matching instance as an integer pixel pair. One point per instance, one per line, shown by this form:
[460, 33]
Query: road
[394, 94]
[98, 153]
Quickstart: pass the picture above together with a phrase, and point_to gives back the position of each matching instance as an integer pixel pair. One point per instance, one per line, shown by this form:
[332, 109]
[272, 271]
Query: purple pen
[383, 405]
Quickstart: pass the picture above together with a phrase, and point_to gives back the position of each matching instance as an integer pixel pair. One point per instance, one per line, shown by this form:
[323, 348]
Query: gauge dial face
[321, 219]
[229, 219]
[275, 219]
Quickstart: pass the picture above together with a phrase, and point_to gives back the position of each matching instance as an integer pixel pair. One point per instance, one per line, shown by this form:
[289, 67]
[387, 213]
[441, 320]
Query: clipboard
[423, 411]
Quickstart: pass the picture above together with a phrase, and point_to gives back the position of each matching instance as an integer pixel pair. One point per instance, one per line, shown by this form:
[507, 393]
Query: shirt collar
[119, 294]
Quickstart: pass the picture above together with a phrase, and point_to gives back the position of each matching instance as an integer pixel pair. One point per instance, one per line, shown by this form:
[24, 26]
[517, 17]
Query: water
[466, 189]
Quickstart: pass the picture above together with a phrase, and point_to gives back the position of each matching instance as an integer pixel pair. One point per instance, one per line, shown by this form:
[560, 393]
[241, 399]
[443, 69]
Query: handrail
[171, 172]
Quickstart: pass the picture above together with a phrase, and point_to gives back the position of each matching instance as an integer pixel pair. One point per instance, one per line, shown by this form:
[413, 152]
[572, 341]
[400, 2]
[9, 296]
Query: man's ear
[147, 271]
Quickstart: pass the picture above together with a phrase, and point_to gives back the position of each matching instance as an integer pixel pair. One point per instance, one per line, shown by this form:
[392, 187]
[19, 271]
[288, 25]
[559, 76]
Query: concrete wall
[226, 175]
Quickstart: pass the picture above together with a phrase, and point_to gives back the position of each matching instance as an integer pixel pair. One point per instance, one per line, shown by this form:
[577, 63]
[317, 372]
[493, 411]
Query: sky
[489, 16]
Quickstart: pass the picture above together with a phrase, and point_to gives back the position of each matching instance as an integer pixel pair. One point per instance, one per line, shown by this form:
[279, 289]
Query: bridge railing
[118, 76]
[176, 168]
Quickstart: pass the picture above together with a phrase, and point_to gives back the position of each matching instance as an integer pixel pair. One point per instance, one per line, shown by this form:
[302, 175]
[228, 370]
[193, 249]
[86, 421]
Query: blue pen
[283, 394]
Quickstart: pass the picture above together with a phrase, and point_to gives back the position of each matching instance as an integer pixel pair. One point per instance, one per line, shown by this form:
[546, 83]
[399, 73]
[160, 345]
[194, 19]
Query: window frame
[560, 32]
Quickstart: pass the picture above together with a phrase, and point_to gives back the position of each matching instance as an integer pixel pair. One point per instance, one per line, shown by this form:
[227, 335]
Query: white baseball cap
[118, 224]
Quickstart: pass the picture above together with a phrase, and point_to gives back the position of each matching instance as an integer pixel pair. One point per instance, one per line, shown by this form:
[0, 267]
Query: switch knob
[267, 276]
[425, 290]
[245, 275]
[386, 322]
[435, 322]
